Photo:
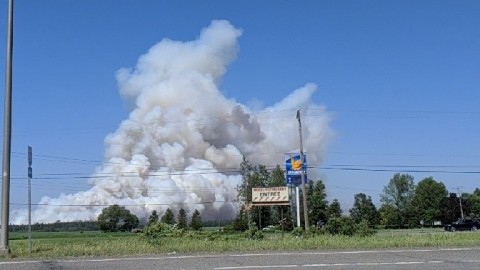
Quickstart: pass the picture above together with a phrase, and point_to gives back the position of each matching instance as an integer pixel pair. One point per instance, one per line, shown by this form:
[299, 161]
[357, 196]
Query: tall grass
[94, 244]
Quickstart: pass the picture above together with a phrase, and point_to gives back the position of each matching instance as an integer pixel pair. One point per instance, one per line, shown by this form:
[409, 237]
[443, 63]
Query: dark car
[463, 225]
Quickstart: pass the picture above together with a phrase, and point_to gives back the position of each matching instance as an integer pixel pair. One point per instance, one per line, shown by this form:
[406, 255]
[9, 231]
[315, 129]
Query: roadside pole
[30, 199]
[305, 207]
[7, 136]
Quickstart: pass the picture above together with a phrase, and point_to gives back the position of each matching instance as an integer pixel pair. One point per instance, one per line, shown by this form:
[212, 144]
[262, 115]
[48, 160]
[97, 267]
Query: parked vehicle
[463, 225]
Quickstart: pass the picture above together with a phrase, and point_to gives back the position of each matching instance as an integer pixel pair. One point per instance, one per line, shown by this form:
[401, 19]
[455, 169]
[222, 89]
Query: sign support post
[30, 199]
[297, 204]
[7, 136]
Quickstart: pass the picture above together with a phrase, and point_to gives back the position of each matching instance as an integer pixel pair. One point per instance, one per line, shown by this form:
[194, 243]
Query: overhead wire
[310, 113]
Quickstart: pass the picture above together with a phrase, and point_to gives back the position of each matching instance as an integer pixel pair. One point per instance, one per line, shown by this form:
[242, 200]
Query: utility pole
[302, 158]
[460, 200]
[7, 136]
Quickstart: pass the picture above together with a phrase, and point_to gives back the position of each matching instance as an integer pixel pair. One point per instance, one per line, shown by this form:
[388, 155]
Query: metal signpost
[7, 136]
[30, 199]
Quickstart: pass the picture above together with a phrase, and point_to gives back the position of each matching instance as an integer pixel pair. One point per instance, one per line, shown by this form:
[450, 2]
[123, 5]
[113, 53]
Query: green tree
[241, 221]
[316, 201]
[451, 209]
[252, 176]
[196, 222]
[117, 218]
[334, 209]
[388, 215]
[364, 210]
[182, 219]
[474, 203]
[168, 217]
[259, 176]
[398, 193]
[153, 218]
[428, 201]
[276, 178]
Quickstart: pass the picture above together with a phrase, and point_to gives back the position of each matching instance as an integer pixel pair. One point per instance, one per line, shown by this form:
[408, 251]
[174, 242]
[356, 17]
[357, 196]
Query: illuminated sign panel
[293, 168]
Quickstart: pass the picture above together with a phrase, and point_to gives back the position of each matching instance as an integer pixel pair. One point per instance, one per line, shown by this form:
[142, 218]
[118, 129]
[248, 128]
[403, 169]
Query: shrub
[229, 228]
[297, 231]
[363, 229]
[258, 235]
[315, 231]
[212, 236]
[157, 230]
[341, 226]
[254, 233]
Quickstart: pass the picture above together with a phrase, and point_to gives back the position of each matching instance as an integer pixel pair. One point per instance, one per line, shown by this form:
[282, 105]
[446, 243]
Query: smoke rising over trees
[183, 140]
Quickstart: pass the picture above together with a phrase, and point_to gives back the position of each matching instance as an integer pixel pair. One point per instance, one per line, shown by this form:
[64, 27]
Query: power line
[232, 171]
[477, 113]
[126, 205]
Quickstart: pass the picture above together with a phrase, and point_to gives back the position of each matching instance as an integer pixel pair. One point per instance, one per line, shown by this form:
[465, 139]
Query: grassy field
[98, 244]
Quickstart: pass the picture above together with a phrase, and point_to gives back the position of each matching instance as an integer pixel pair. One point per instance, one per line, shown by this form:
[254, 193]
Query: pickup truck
[463, 225]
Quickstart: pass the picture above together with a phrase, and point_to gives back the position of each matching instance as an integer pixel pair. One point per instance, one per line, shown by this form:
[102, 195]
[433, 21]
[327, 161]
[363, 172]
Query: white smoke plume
[183, 141]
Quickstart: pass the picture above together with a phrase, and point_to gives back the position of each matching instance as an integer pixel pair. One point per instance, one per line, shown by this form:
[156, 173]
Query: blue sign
[294, 167]
[295, 180]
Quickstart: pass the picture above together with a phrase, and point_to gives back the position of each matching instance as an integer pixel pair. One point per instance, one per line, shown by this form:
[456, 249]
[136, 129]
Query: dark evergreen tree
[241, 221]
[334, 209]
[364, 210]
[168, 217]
[451, 210]
[317, 203]
[153, 218]
[182, 219]
[196, 222]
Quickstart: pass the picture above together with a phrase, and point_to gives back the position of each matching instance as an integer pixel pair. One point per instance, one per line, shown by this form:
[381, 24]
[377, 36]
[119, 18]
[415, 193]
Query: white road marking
[324, 265]
[247, 255]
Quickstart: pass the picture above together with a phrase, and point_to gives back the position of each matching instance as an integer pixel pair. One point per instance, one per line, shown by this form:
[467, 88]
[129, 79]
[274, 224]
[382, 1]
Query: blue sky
[401, 79]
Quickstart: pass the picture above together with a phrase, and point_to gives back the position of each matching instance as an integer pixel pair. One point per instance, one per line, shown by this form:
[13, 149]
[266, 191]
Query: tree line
[403, 204]
[117, 218]
[58, 226]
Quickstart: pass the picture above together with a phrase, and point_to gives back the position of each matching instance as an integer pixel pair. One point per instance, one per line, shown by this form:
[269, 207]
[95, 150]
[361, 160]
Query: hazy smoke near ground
[183, 141]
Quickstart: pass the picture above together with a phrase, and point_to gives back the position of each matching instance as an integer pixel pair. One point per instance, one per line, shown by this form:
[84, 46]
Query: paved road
[406, 259]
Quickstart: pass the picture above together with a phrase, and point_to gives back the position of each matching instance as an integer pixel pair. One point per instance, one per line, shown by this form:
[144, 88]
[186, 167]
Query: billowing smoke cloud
[183, 141]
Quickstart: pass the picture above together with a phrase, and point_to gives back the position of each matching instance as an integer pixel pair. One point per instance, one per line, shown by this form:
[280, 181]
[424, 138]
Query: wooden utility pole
[302, 158]
[460, 201]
